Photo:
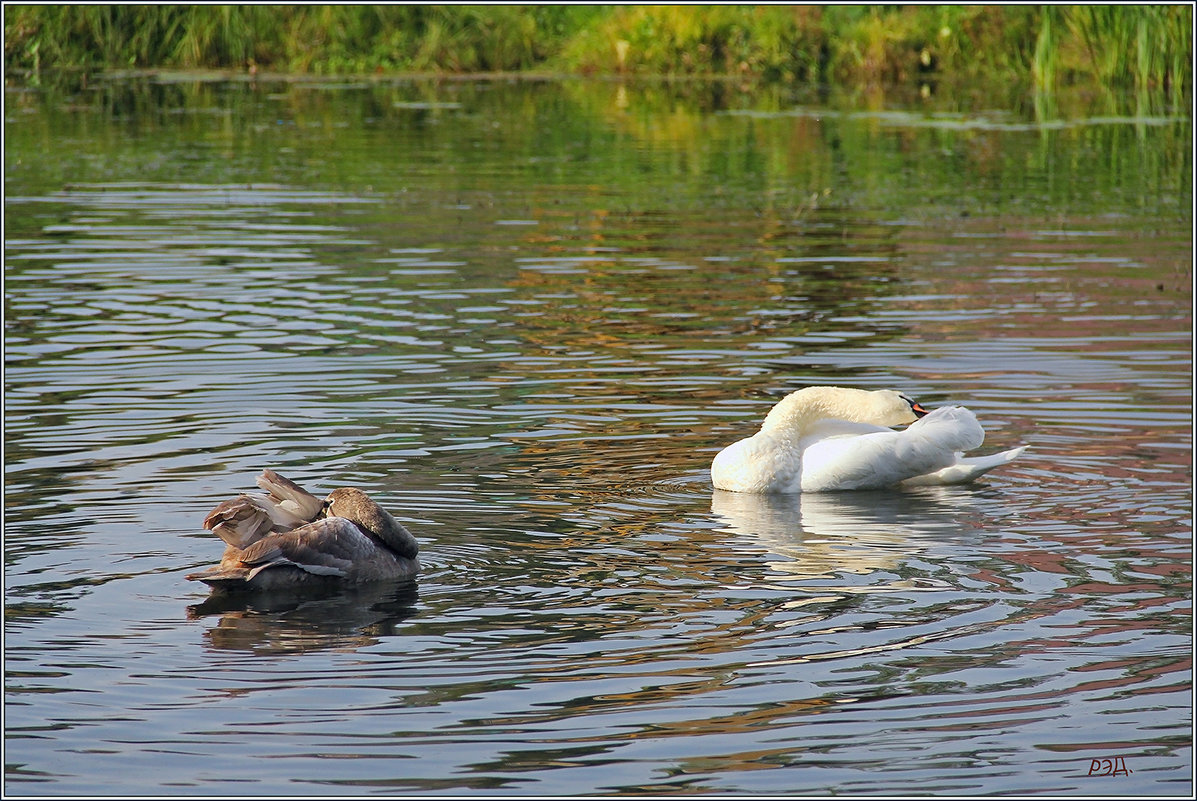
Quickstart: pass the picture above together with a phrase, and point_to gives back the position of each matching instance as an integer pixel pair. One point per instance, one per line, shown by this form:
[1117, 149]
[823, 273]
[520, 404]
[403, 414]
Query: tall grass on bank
[317, 39]
[115, 37]
[1143, 45]
[1133, 46]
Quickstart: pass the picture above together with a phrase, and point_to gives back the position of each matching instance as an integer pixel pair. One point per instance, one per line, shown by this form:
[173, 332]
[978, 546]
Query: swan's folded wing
[952, 427]
[932, 446]
[884, 458]
[871, 461]
[328, 547]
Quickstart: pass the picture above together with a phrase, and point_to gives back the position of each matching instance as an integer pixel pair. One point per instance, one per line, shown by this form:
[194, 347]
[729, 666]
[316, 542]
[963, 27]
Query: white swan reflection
[823, 535]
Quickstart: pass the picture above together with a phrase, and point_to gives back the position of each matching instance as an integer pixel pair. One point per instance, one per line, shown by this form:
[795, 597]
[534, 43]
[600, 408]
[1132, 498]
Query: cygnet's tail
[222, 578]
[966, 469]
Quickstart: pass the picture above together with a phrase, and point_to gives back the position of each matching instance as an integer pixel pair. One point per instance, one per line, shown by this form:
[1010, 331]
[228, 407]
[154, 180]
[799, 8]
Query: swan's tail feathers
[966, 469]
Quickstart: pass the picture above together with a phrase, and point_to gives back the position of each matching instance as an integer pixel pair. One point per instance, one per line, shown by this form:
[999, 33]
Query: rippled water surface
[526, 316]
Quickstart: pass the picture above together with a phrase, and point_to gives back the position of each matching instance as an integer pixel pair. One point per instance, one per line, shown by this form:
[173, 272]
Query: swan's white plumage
[834, 438]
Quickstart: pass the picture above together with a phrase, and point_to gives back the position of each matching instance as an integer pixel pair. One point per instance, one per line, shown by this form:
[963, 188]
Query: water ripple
[534, 377]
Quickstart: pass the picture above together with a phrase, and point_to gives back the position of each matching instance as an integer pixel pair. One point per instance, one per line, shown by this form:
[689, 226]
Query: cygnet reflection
[301, 622]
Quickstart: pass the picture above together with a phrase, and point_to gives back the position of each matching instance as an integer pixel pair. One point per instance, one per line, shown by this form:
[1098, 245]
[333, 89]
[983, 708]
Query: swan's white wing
[950, 426]
[870, 461]
[883, 458]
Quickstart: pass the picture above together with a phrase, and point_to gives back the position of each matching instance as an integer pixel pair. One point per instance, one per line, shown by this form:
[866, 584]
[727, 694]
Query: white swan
[290, 538]
[835, 438]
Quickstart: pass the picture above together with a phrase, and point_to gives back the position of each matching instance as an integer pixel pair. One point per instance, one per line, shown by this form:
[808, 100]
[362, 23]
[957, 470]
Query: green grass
[1130, 47]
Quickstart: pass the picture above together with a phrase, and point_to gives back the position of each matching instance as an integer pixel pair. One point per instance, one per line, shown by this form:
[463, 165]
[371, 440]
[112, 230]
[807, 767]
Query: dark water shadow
[290, 622]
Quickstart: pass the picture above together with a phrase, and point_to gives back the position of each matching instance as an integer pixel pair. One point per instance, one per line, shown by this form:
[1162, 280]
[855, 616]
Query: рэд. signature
[1109, 767]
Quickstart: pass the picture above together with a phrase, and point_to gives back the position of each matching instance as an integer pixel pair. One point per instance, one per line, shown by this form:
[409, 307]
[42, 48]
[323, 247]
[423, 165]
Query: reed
[1142, 46]
[1147, 48]
[110, 37]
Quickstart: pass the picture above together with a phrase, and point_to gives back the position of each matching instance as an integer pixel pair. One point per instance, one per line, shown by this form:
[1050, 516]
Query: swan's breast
[757, 464]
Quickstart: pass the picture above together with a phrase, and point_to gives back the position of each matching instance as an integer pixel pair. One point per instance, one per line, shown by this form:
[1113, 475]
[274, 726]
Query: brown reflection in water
[686, 283]
[1071, 281]
[284, 623]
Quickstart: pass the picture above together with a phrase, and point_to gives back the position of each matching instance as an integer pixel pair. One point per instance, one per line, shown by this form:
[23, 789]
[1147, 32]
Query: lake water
[526, 315]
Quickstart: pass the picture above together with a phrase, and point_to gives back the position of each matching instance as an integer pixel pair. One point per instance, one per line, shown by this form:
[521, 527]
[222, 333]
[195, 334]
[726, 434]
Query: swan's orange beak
[918, 410]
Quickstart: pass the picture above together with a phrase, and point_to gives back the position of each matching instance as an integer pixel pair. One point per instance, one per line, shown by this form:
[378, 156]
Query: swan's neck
[793, 416]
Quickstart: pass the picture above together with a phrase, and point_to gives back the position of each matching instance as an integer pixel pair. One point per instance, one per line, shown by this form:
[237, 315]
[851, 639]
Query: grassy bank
[1144, 47]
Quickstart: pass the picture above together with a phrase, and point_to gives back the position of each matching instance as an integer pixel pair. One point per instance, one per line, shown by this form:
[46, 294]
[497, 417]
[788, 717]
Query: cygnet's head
[358, 507]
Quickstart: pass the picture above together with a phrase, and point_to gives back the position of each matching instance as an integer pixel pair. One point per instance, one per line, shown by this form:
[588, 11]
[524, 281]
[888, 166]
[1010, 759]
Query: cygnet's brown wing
[290, 496]
[327, 547]
[240, 522]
